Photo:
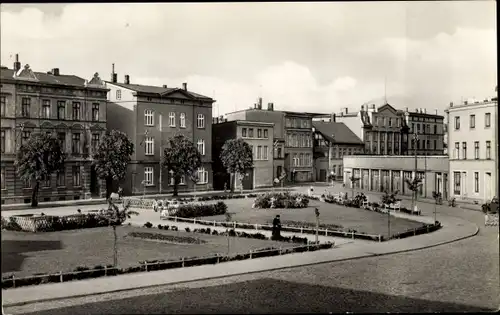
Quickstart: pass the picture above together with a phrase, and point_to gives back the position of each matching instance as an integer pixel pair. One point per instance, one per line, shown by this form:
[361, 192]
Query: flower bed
[152, 265]
[373, 206]
[193, 211]
[47, 223]
[260, 236]
[167, 238]
[280, 200]
[309, 225]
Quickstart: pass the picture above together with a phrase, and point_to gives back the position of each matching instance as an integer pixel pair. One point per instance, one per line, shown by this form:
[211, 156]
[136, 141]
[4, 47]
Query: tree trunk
[115, 247]
[34, 195]
[233, 181]
[109, 186]
[176, 188]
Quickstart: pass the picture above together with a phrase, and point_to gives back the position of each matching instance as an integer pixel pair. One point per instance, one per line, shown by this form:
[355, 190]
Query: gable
[179, 93]
[96, 81]
[26, 74]
[387, 109]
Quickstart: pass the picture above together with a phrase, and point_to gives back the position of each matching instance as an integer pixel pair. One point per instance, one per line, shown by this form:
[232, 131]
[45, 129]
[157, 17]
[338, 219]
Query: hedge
[153, 265]
[280, 200]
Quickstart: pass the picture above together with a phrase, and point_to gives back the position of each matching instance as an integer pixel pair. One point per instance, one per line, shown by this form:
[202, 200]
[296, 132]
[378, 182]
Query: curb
[245, 273]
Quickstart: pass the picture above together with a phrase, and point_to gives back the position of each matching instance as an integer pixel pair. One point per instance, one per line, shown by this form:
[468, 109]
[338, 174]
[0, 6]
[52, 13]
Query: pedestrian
[276, 234]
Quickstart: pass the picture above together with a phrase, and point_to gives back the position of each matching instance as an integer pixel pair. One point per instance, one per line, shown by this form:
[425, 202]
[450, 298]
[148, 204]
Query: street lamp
[316, 212]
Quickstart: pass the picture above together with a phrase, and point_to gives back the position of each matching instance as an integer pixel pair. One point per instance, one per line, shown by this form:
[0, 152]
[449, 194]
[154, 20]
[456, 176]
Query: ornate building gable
[177, 93]
[25, 74]
[95, 82]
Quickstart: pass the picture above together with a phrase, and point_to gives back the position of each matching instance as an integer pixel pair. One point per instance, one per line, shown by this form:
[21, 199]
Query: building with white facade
[472, 149]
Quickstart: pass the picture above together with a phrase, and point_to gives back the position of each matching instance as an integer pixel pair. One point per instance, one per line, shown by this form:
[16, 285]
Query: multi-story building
[473, 153]
[333, 141]
[383, 130]
[292, 138]
[430, 129]
[67, 106]
[259, 135]
[150, 115]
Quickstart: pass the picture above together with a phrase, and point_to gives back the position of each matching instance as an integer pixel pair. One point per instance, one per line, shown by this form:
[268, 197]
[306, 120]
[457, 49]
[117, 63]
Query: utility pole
[161, 151]
[330, 157]
[316, 212]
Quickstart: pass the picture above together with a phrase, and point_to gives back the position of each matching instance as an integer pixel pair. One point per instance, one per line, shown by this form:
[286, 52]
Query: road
[460, 276]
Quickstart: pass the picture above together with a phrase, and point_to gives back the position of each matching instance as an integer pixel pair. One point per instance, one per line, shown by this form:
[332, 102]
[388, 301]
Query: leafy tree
[181, 158]
[112, 157]
[389, 198]
[38, 159]
[195, 179]
[116, 217]
[236, 156]
[413, 185]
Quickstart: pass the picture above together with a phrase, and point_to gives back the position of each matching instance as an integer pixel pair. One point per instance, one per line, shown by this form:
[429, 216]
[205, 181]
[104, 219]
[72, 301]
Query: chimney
[221, 118]
[451, 104]
[127, 79]
[270, 106]
[17, 64]
[185, 86]
[425, 110]
[255, 105]
[332, 117]
[55, 71]
[260, 103]
[373, 106]
[346, 110]
[465, 102]
[406, 109]
[114, 76]
[165, 86]
[436, 111]
[362, 107]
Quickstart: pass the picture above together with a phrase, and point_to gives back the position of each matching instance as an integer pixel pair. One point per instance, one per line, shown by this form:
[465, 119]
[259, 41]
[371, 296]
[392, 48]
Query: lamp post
[316, 212]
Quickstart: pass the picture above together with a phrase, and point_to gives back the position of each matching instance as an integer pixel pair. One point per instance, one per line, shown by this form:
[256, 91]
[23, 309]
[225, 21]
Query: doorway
[487, 187]
[94, 183]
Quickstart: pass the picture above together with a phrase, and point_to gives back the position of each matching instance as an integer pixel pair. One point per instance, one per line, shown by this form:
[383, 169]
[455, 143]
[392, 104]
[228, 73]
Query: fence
[42, 223]
[13, 282]
[268, 227]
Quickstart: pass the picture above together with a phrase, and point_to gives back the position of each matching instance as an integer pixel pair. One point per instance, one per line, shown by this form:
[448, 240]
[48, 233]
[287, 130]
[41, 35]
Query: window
[266, 135]
[149, 146]
[3, 178]
[295, 160]
[472, 122]
[95, 112]
[476, 150]
[390, 122]
[202, 175]
[26, 104]
[200, 121]
[435, 144]
[244, 132]
[259, 133]
[464, 150]
[279, 154]
[25, 135]
[61, 136]
[456, 152]
[201, 146]
[456, 183]
[182, 180]
[3, 141]
[457, 122]
[413, 127]
[75, 144]
[171, 119]
[45, 108]
[487, 120]
[251, 149]
[301, 159]
[118, 94]
[259, 153]
[76, 176]
[3, 105]
[149, 117]
[435, 129]
[250, 132]
[95, 141]
[76, 110]
[488, 150]
[476, 182]
[61, 181]
[265, 152]
[182, 122]
[418, 128]
[61, 110]
[148, 176]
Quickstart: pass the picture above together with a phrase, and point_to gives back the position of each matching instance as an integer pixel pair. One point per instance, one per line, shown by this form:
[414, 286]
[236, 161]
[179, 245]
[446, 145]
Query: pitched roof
[42, 77]
[151, 89]
[340, 131]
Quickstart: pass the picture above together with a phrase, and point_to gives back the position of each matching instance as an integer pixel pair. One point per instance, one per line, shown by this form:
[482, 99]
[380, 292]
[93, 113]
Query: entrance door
[248, 180]
[487, 187]
[464, 185]
[94, 184]
[322, 175]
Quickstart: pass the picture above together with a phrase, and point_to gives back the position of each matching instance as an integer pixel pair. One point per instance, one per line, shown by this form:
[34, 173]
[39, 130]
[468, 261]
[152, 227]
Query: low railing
[13, 282]
[268, 227]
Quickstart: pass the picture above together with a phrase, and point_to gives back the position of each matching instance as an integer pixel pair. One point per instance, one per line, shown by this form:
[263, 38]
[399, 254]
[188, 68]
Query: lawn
[358, 219]
[24, 253]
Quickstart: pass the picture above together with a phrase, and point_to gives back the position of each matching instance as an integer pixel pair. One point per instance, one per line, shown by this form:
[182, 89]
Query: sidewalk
[453, 229]
[98, 201]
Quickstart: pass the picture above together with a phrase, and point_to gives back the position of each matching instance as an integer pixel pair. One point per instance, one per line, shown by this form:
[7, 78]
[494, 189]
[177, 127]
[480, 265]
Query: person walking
[276, 233]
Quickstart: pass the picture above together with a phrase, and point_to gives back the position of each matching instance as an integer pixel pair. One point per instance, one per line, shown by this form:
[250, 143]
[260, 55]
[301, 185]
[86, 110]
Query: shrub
[174, 228]
[148, 225]
[193, 211]
[187, 229]
[281, 200]
[167, 238]
[160, 226]
[10, 224]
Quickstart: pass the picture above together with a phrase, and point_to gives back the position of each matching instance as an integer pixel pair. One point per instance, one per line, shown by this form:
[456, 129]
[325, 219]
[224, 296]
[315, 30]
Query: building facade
[259, 135]
[150, 116]
[430, 129]
[473, 153]
[333, 141]
[389, 173]
[66, 106]
[292, 140]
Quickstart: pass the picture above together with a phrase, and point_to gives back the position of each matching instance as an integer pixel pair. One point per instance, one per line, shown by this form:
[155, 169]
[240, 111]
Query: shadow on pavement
[264, 296]
[12, 252]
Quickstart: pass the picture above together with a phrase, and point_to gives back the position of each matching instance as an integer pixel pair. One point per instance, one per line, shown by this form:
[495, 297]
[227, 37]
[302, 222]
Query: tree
[38, 159]
[116, 217]
[353, 181]
[181, 157]
[236, 156]
[112, 157]
[413, 185]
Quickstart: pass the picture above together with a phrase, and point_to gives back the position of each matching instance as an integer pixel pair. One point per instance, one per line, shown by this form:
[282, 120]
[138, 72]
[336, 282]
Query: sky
[316, 57]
